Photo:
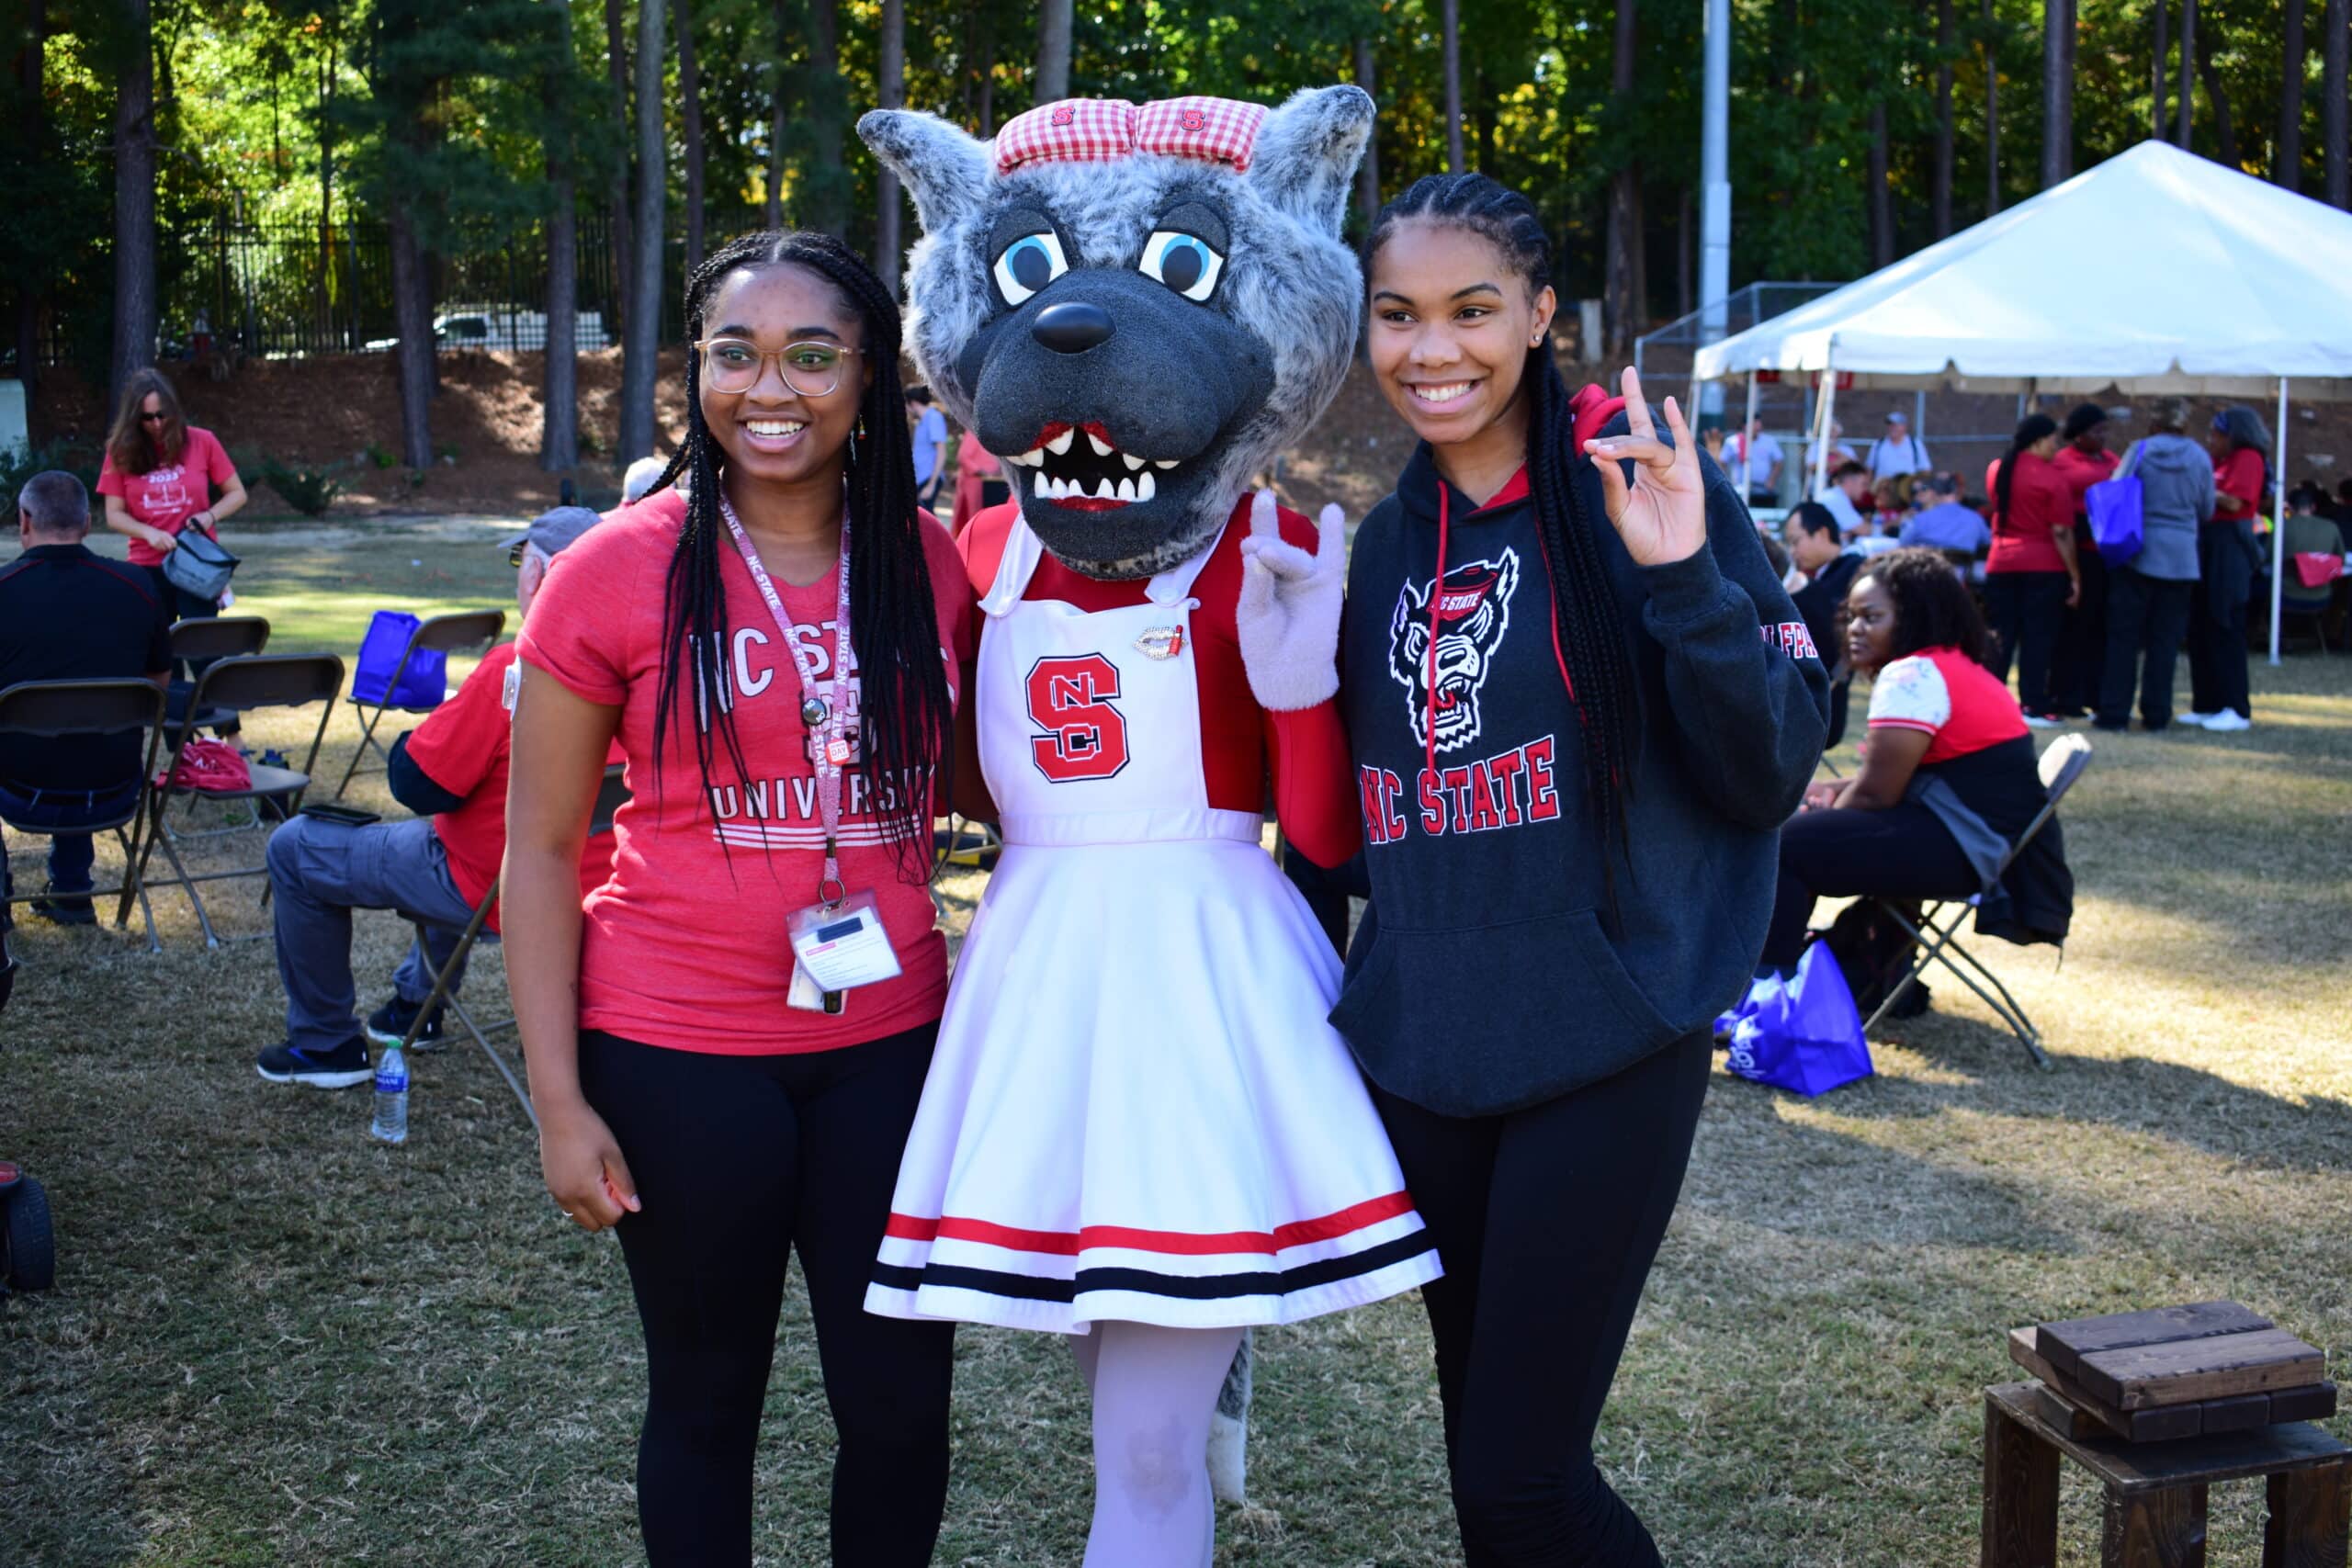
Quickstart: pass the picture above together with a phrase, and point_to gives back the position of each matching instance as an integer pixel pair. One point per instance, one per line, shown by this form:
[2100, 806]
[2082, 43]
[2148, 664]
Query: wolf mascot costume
[1139, 1127]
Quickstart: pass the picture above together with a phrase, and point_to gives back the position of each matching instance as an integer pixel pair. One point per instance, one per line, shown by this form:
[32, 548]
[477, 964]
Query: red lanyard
[1437, 625]
[827, 723]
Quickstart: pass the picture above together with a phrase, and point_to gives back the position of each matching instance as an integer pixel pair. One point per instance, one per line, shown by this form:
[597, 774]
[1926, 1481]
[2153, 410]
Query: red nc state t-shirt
[687, 945]
[168, 494]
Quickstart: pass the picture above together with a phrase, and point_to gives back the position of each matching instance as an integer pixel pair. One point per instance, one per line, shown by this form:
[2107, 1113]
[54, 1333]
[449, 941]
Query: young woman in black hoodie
[1580, 705]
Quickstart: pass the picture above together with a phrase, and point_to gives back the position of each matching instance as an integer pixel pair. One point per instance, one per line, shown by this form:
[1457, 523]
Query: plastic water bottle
[390, 1125]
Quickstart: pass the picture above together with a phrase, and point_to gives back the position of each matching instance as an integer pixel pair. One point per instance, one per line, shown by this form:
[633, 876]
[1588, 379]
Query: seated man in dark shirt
[451, 771]
[68, 614]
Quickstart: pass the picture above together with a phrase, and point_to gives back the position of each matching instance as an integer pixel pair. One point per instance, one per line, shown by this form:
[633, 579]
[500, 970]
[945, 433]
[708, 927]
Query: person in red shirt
[780, 652]
[975, 466]
[2082, 638]
[2228, 560]
[451, 771]
[2031, 577]
[158, 479]
[1938, 716]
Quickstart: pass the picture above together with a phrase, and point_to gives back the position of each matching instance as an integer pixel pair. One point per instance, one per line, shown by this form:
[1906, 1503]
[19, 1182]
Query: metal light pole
[1714, 190]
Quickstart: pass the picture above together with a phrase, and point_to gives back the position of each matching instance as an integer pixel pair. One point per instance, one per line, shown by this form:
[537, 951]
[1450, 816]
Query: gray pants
[319, 872]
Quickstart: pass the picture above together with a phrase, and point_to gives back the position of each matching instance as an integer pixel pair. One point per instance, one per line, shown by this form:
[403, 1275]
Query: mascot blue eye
[1182, 262]
[1028, 265]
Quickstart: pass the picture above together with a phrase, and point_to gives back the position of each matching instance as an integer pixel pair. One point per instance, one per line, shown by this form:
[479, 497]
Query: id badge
[840, 947]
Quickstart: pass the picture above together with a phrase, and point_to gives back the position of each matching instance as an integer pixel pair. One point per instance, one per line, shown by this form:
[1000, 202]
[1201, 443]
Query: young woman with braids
[1582, 704]
[2031, 576]
[691, 1095]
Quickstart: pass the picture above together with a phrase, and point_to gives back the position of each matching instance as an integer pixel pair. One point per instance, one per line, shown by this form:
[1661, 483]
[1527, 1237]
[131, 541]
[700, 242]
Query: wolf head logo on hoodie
[1472, 613]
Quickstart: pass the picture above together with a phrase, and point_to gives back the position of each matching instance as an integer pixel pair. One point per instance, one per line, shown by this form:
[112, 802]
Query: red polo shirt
[2040, 502]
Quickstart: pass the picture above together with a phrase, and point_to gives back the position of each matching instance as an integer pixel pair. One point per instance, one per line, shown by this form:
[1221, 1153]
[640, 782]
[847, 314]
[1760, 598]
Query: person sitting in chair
[68, 615]
[1949, 777]
[438, 866]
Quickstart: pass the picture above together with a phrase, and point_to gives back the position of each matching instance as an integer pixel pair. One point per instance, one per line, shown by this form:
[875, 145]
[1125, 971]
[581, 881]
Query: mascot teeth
[1034, 457]
[1131, 460]
[1102, 449]
[1060, 444]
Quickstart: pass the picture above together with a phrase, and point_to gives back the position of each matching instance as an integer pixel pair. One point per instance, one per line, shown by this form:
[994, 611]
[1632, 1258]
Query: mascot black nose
[1071, 327]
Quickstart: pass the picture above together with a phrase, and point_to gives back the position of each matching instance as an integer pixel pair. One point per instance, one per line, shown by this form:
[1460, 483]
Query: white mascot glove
[1288, 616]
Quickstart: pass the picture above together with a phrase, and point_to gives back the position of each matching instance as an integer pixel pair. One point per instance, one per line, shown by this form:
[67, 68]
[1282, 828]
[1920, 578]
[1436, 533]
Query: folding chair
[240, 685]
[199, 642]
[2061, 764]
[471, 631]
[610, 797]
[53, 708]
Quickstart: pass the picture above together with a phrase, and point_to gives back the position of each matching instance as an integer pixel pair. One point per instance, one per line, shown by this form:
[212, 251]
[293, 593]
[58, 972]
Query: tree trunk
[134, 203]
[1452, 56]
[2225, 136]
[826, 205]
[616, 207]
[984, 112]
[560, 380]
[1368, 172]
[2162, 13]
[326, 188]
[1053, 51]
[643, 342]
[1992, 112]
[2287, 153]
[31, 59]
[1939, 185]
[1621, 278]
[2336, 107]
[690, 127]
[1882, 196]
[772, 214]
[892, 90]
[2188, 64]
[2057, 96]
[413, 321]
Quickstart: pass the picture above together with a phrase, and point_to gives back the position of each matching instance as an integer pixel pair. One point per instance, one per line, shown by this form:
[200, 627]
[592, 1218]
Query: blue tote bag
[1803, 1033]
[423, 682]
[2114, 508]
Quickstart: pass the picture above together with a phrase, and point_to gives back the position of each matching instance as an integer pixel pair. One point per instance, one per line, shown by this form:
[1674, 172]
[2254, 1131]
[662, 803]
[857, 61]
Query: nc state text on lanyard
[827, 723]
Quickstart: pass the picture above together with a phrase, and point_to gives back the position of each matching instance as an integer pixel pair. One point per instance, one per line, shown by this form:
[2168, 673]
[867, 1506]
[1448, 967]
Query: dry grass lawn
[275, 1342]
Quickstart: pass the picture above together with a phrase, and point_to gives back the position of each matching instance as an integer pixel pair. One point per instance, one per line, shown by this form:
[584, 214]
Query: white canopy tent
[2157, 271]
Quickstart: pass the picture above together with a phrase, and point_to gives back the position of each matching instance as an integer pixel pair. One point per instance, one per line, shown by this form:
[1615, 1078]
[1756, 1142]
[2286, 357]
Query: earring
[855, 430]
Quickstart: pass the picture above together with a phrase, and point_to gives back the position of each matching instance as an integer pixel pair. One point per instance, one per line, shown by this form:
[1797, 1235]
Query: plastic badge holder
[839, 947]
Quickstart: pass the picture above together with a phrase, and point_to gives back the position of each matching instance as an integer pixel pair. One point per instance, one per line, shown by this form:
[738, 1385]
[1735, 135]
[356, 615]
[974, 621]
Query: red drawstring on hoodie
[1437, 624]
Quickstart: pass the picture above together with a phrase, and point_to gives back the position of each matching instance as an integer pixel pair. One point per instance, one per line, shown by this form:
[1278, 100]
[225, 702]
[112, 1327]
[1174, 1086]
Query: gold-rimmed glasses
[812, 367]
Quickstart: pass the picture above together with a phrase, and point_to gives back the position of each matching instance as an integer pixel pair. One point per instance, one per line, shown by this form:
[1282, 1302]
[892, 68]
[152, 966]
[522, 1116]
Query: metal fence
[283, 289]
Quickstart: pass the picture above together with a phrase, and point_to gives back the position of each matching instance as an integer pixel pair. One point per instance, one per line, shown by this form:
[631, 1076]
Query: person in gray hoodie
[2148, 596]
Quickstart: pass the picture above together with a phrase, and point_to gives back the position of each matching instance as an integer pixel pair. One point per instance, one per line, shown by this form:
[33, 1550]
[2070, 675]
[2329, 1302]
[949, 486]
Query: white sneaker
[2043, 721]
[2199, 719]
[2228, 722]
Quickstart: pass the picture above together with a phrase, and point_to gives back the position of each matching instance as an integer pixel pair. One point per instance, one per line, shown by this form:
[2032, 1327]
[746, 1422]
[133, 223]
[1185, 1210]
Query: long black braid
[1584, 607]
[907, 721]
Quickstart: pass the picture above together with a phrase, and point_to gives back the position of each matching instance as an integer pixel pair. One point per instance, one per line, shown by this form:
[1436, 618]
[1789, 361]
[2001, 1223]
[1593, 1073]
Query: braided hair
[1584, 607]
[906, 717]
[2033, 427]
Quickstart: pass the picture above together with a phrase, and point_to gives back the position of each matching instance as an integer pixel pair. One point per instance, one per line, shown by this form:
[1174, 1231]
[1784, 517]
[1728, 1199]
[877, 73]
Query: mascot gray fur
[1135, 309]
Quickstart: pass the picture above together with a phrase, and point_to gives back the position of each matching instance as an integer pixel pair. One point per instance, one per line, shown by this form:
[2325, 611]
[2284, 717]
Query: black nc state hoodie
[1488, 974]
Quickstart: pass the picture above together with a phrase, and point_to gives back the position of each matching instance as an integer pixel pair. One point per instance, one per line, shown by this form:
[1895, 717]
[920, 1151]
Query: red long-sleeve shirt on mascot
[685, 945]
[1307, 750]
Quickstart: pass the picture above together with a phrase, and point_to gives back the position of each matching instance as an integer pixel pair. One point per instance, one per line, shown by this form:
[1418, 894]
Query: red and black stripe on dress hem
[1070, 1244]
[1144, 1281]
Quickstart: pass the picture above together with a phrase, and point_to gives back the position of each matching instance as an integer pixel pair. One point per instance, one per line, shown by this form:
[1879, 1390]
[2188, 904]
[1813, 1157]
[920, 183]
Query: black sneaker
[65, 908]
[388, 1025]
[345, 1067]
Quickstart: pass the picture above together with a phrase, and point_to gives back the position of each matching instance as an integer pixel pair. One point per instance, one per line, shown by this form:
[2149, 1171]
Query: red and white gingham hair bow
[1214, 131]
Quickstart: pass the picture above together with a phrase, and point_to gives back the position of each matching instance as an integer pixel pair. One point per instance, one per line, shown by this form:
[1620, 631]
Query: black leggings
[2027, 609]
[741, 1160]
[1547, 1221]
[1904, 851]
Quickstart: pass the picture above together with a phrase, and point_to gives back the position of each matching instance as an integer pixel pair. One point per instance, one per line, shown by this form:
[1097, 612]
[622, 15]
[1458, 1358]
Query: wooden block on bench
[2153, 1426]
[2316, 1403]
[2191, 1370]
[2064, 1343]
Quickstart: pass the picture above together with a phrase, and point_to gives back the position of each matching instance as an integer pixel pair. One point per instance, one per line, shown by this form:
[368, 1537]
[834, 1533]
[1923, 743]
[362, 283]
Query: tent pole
[2278, 521]
[1747, 443]
[1919, 418]
[1828, 415]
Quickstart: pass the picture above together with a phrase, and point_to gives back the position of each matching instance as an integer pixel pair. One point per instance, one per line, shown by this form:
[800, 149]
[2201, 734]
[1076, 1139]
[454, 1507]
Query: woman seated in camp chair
[1949, 779]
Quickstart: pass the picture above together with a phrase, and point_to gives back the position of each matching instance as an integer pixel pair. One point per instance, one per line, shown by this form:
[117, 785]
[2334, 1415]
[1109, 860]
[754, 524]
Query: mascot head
[1134, 305]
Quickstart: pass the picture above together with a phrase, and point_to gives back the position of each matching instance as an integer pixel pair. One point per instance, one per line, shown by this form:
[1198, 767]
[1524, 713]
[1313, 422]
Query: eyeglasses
[733, 365]
[154, 418]
[516, 551]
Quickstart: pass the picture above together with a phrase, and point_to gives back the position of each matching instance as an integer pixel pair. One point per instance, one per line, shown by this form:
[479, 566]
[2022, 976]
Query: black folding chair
[611, 795]
[1935, 935]
[199, 643]
[52, 709]
[470, 631]
[240, 685]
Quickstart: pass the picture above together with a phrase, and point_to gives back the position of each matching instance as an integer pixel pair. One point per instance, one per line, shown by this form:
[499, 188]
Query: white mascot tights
[1155, 1390]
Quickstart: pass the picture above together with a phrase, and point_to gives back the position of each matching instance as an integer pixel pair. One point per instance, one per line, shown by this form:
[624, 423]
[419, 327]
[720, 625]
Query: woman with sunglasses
[158, 479]
[779, 650]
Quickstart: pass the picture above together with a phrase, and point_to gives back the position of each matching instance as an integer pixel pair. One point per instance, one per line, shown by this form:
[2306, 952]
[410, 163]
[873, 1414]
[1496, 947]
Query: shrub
[308, 491]
[379, 456]
[20, 463]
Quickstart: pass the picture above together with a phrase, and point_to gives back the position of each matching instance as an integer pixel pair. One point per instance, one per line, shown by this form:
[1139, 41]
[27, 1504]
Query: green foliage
[309, 491]
[21, 462]
[379, 456]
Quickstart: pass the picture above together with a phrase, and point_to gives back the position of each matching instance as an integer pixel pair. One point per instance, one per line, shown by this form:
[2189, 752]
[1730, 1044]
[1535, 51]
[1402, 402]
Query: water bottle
[392, 1099]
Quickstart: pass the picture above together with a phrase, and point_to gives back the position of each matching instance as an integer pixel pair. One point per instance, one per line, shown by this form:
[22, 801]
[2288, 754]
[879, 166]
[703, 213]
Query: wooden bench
[2155, 1508]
